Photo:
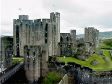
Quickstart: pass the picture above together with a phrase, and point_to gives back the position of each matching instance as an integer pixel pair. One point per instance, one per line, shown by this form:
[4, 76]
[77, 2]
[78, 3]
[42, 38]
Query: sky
[74, 14]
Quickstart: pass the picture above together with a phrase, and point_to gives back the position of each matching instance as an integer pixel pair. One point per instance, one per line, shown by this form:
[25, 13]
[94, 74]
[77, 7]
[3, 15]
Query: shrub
[52, 78]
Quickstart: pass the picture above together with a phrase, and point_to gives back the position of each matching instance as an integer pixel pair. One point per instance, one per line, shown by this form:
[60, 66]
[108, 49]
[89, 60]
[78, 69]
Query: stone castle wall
[67, 43]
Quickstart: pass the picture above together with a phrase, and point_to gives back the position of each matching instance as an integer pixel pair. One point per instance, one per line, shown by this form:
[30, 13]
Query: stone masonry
[6, 51]
[91, 39]
[28, 32]
[67, 43]
[32, 62]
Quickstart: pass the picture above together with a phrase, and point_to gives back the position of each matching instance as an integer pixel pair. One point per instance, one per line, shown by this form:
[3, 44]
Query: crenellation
[23, 17]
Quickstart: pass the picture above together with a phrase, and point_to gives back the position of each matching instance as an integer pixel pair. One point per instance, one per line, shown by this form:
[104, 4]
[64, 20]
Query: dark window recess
[61, 39]
[17, 39]
[69, 46]
[46, 27]
[61, 52]
[33, 53]
[46, 35]
[45, 40]
[67, 39]
[17, 32]
[60, 45]
[27, 53]
[54, 18]
[55, 29]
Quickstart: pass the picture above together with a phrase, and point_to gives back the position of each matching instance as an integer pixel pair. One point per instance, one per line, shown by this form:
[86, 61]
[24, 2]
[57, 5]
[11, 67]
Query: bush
[52, 78]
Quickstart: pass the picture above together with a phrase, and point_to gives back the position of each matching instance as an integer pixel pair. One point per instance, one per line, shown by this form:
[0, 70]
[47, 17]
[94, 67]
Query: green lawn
[17, 60]
[104, 62]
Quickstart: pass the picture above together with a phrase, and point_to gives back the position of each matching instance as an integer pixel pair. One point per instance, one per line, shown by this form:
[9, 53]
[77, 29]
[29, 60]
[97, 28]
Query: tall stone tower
[91, 39]
[55, 26]
[73, 40]
[32, 62]
[21, 30]
[73, 37]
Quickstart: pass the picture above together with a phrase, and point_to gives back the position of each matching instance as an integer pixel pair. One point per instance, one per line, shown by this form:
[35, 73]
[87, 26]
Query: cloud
[75, 14]
[83, 13]
[10, 10]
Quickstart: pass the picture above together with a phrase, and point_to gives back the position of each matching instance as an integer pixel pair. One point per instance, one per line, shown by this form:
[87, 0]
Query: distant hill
[102, 35]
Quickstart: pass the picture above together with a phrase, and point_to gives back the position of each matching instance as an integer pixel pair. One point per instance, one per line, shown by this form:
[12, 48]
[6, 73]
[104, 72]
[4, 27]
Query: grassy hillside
[104, 63]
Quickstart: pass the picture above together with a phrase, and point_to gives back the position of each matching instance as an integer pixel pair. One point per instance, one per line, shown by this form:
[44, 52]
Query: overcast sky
[75, 14]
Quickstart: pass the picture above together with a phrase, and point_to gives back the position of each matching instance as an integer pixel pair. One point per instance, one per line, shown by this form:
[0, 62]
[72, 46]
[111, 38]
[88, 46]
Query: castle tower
[73, 40]
[16, 35]
[91, 39]
[73, 37]
[22, 31]
[32, 57]
[55, 26]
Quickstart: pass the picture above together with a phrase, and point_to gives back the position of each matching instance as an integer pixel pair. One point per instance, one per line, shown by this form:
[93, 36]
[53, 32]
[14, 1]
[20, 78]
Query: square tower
[55, 26]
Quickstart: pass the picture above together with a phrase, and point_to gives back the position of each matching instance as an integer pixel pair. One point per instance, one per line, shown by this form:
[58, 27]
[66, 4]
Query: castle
[35, 40]
[38, 39]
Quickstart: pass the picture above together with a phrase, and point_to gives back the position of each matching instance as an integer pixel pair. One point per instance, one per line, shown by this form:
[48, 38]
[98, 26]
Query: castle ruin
[91, 39]
[67, 43]
[35, 40]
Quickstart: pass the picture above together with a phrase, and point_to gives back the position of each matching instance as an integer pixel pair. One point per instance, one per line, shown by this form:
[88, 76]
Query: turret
[23, 17]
